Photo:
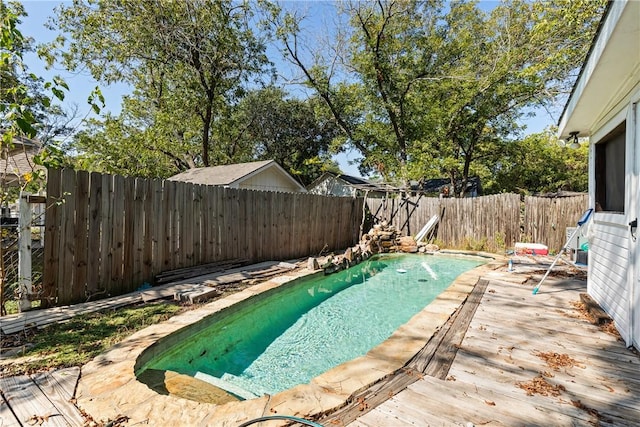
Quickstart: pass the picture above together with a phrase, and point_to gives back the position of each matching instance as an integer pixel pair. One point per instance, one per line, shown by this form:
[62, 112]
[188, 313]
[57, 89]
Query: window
[610, 170]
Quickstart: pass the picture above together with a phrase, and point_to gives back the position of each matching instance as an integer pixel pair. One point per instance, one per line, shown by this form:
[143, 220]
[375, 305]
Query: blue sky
[81, 84]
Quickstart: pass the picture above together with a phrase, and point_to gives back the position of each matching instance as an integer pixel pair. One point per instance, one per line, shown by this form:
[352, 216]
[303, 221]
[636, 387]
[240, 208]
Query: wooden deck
[40, 399]
[525, 361]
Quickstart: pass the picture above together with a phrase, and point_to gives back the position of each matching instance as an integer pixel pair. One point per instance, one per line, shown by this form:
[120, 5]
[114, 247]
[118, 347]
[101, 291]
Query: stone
[406, 241]
[312, 264]
[348, 255]
[386, 235]
[431, 248]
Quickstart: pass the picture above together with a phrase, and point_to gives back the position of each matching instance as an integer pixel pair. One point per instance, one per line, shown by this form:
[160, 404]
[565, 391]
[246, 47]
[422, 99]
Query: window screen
[610, 167]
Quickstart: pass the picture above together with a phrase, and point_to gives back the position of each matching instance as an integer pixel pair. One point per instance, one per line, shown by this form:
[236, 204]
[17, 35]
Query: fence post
[24, 252]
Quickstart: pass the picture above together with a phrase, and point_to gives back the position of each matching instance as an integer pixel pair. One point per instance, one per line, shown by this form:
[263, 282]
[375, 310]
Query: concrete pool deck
[109, 389]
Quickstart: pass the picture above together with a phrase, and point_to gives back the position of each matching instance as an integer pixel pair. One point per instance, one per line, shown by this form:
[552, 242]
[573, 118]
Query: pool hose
[281, 417]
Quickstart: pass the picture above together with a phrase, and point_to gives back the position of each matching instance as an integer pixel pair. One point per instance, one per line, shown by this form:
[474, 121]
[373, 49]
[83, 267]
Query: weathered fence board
[93, 250]
[67, 236]
[105, 255]
[548, 218]
[52, 241]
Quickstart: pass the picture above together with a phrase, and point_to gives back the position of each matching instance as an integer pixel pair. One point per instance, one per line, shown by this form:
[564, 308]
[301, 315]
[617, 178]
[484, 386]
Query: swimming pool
[295, 332]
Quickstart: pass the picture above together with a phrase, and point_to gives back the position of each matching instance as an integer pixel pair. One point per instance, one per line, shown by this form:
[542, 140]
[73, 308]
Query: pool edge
[108, 386]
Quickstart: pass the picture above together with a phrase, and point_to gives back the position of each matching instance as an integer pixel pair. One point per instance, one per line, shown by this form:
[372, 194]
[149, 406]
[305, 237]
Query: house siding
[268, 180]
[608, 263]
[332, 186]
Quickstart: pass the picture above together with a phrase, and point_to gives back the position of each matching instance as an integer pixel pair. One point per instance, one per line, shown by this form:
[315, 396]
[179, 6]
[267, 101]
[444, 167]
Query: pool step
[226, 385]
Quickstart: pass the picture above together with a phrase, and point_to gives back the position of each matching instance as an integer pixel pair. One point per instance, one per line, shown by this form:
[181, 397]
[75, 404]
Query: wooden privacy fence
[491, 223]
[546, 219]
[107, 235]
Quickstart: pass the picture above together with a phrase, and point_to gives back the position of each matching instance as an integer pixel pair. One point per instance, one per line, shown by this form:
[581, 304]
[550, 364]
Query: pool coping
[108, 387]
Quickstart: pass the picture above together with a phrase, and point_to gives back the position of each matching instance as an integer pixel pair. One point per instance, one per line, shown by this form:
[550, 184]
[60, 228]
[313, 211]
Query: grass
[80, 339]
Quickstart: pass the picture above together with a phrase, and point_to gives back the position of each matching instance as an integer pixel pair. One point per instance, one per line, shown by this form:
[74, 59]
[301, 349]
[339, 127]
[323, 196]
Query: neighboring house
[266, 175]
[604, 107]
[341, 185]
[16, 161]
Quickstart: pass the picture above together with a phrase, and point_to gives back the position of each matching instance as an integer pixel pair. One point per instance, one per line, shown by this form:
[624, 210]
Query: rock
[348, 255]
[406, 241]
[431, 248]
[312, 264]
[386, 235]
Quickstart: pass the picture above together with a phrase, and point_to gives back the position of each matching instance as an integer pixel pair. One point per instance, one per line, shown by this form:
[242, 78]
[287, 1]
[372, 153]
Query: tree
[536, 164]
[26, 108]
[428, 90]
[186, 61]
[292, 132]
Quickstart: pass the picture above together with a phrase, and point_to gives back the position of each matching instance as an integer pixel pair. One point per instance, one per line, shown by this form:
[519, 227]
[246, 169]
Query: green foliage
[429, 91]
[292, 132]
[471, 244]
[187, 61]
[77, 341]
[536, 164]
[26, 108]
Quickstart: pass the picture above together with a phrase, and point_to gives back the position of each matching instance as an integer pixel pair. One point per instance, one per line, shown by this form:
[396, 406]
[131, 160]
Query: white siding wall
[269, 180]
[333, 187]
[608, 266]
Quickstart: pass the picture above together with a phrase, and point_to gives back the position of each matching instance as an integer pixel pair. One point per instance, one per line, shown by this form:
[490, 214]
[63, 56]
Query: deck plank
[7, 419]
[59, 386]
[29, 403]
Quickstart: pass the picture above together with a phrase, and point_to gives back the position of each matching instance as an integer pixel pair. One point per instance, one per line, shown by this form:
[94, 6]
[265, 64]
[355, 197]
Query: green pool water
[310, 325]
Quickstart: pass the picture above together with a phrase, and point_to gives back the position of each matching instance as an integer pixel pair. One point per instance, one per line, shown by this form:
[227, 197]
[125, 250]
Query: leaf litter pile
[556, 360]
[583, 313]
[539, 385]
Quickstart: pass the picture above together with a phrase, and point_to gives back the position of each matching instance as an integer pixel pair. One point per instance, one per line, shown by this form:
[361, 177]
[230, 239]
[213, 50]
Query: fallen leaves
[556, 360]
[38, 419]
[583, 313]
[539, 385]
[362, 404]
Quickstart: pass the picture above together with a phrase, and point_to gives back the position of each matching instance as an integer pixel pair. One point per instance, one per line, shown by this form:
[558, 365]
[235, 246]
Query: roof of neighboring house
[17, 160]
[435, 185]
[352, 181]
[230, 174]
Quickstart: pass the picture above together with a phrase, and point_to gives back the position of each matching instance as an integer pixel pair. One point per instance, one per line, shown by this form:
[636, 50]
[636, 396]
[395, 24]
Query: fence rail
[107, 234]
